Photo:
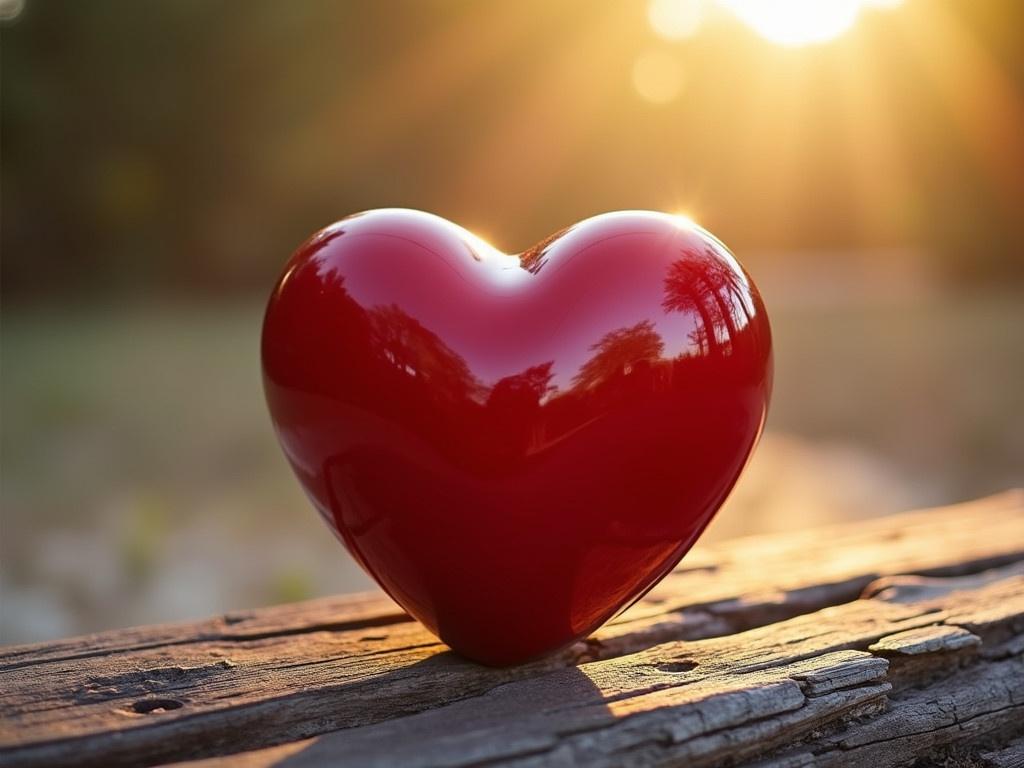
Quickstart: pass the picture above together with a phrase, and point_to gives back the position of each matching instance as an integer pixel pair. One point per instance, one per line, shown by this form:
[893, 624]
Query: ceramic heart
[516, 447]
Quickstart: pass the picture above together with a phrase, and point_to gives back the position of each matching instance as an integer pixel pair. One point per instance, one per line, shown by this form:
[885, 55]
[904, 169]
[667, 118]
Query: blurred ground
[142, 482]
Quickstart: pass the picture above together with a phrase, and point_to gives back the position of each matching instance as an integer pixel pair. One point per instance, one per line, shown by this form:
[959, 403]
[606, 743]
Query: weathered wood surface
[872, 643]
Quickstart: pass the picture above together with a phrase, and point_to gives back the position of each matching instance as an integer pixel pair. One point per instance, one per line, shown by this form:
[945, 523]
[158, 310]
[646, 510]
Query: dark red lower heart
[516, 448]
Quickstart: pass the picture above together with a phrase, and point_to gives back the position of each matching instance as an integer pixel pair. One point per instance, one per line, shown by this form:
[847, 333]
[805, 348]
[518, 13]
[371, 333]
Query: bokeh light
[658, 76]
[11, 9]
[676, 19]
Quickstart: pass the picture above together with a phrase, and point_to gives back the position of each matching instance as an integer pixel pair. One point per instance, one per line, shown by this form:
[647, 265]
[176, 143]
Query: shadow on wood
[868, 643]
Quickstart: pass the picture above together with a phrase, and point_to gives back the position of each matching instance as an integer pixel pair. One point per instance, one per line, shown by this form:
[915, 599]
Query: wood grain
[757, 649]
[807, 691]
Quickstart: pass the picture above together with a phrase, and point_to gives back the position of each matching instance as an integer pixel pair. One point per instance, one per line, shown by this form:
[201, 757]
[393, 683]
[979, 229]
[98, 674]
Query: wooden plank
[1010, 756]
[811, 680]
[278, 675]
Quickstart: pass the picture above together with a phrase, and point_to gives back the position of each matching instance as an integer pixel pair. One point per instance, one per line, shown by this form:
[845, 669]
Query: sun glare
[675, 19]
[684, 220]
[785, 22]
[796, 22]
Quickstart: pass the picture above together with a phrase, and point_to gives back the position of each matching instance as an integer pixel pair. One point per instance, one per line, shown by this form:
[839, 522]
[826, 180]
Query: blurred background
[160, 160]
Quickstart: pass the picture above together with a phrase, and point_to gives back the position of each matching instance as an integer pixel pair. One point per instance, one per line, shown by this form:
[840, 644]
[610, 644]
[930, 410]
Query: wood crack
[771, 648]
[211, 637]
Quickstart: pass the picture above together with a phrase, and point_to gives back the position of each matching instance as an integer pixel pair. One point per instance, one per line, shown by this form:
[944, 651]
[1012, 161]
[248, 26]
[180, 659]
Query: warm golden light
[675, 19]
[483, 249]
[796, 22]
[684, 220]
[657, 76]
[786, 22]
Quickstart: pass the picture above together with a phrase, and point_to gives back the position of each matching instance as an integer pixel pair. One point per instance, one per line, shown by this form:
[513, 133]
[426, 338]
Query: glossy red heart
[516, 448]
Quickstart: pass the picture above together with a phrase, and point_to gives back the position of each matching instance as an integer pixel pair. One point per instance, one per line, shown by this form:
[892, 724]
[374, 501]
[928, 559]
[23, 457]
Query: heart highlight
[516, 448]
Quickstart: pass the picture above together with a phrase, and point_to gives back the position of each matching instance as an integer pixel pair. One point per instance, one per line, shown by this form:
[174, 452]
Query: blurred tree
[189, 145]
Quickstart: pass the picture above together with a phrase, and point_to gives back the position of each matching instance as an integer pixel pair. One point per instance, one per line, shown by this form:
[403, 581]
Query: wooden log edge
[278, 676]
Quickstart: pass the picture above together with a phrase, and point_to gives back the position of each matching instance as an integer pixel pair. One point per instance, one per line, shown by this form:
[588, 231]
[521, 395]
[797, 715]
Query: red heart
[516, 448]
